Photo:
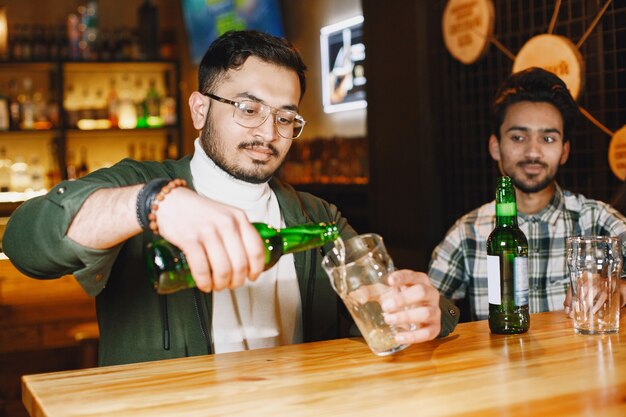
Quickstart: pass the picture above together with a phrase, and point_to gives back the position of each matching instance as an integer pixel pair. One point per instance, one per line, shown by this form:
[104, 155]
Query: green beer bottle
[168, 270]
[507, 266]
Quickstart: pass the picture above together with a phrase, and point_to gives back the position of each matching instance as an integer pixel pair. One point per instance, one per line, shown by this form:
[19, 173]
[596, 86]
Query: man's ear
[494, 147]
[199, 107]
[565, 154]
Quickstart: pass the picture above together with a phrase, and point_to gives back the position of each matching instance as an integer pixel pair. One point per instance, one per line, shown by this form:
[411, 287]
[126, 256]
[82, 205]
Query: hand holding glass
[595, 264]
[358, 271]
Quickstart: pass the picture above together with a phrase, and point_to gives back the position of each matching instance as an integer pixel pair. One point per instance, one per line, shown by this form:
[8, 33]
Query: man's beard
[529, 189]
[211, 146]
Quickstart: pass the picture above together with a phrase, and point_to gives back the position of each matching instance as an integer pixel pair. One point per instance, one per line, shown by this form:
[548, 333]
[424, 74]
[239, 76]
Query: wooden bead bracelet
[158, 198]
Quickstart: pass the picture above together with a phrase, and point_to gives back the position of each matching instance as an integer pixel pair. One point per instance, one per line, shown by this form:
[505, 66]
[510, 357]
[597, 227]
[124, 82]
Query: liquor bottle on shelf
[53, 46]
[37, 174]
[20, 176]
[127, 111]
[123, 45]
[89, 25]
[113, 104]
[5, 170]
[152, 105]
[53, 113]
[148, 30]
[62, 42]
[17, 43]
[139, 100]
[73, 36]
[107, 47]
[85, 105]
[72, 106]
[40, 112]
[169, 272]
[168, 111]
[507, 266]
[27, 106]
[15, 111]
[100, 106]
[167, 46]
[27, 43]
[39, 44]
[168, 103]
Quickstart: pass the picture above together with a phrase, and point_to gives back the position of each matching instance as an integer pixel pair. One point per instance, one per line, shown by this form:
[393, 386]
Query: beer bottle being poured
[169, 272]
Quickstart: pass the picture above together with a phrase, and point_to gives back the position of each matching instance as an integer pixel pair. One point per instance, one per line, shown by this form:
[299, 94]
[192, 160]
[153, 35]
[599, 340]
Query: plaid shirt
[458, 266]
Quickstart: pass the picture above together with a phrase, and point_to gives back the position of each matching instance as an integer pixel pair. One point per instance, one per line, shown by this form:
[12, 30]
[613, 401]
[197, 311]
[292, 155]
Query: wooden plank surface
[550, 371]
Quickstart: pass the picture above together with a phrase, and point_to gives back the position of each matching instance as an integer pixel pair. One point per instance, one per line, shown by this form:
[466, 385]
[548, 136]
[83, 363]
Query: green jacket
[135, 323]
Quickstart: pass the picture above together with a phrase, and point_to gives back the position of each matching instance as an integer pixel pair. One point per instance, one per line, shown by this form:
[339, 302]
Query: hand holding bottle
[222, 248]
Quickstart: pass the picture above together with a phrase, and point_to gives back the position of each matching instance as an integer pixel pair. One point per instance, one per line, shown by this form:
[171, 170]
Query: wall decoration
[343, 71]
[467, 27]
[556, 54]
[562, 57]
[617, 153]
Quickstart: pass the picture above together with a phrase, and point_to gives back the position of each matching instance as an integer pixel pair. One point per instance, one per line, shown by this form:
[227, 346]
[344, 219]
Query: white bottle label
[493, 279]
[521, 281]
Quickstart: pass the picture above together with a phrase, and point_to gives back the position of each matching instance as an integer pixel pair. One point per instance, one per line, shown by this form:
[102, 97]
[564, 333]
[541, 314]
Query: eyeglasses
[251, 114]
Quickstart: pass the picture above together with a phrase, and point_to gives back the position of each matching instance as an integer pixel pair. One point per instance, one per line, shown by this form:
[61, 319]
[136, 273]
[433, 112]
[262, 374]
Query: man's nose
[267, 130]
[533, 147]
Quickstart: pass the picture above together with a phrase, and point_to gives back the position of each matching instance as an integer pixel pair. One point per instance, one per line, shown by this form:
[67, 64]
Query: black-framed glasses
[251, 114]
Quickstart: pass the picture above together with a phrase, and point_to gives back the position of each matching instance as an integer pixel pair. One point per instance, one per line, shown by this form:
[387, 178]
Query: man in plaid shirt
[531, 119]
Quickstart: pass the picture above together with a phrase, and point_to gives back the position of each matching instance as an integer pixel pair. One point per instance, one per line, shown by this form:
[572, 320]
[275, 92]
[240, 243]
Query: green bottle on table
[169, 272]
[507, 266]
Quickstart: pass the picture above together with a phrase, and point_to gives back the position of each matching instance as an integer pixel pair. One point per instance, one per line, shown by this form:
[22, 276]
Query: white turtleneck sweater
[266, 312]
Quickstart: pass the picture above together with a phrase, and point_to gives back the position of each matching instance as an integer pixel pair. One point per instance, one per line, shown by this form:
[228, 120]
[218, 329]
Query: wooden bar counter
[550, 371]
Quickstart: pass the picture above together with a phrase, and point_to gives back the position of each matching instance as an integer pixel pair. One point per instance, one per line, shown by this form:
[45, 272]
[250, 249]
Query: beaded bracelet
[160, 196]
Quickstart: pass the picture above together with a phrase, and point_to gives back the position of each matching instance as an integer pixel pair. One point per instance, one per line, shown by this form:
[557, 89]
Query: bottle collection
[80, 38]
[21, 175]
[338, 160]
[24, 106]
[119, 101]
[72, 74]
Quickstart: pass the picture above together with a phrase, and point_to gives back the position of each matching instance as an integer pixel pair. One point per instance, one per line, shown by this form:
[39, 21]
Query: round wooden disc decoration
[556, 54]
[467, 26]
[617, 154]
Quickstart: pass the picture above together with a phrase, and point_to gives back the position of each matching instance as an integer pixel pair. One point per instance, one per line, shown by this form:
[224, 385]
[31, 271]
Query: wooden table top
[549, 371]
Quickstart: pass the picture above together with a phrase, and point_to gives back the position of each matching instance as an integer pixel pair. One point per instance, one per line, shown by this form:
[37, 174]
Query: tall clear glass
[358, 272]
[595, 264]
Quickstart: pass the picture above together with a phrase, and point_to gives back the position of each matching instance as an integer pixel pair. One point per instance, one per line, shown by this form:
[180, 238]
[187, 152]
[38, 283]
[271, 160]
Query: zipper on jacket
[165, 322]
[197, 297]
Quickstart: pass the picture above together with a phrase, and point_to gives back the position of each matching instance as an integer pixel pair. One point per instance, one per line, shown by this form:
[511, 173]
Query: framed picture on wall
[343, 71]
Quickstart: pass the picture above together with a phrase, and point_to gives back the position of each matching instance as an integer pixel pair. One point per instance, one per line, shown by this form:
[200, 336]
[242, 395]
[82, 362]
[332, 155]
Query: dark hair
[231, 50]
[535, 85]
